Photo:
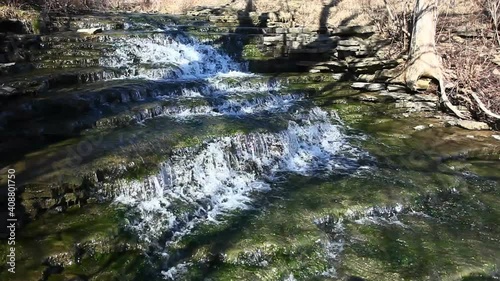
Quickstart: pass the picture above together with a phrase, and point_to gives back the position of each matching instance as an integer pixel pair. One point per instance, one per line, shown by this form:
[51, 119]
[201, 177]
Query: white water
[378, 215]
[168, 56]
[334, 243]
[336, 236]
[220, 175]
[161, 56]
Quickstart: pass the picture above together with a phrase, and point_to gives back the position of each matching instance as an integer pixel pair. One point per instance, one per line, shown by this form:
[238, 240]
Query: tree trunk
[423, 58]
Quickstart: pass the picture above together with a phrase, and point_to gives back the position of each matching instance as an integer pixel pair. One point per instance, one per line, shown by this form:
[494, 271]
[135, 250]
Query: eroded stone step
[117, 21]
[127, 101]
[249, 35]
[86, 233]
[129, 114]
[77, 46]
[66, 62]
[222, 29]
[67, 111]
[183, 108]
[108, 36]
[39, 81]
[58, 53]
[283, 79]
[43, 83]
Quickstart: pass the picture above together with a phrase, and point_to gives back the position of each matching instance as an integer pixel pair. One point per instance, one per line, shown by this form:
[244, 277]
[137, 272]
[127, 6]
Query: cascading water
[219, 175]
[174, 57]
[201, 184]
[167, 56]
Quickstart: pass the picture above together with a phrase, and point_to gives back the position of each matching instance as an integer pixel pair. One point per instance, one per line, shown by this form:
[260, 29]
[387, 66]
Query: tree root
[481, 105]
[447, 103]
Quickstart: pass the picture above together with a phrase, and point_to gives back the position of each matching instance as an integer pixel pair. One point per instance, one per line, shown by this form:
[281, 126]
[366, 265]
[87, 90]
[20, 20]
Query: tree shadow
[325, 15]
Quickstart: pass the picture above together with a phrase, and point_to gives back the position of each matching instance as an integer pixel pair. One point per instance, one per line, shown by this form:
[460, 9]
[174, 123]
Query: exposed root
[428, 65]
[481, 105]
[447, 103]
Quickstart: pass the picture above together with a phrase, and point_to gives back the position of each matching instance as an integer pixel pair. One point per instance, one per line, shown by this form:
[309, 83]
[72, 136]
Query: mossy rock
[252, 52]
[83, 242]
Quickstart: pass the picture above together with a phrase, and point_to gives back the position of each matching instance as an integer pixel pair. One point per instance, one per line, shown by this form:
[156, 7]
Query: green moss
[110, 266]
[385, 252]
[405, 166]
[408, 167]
[37, 24]
[251, 51]
[141, 171]
[97, 228]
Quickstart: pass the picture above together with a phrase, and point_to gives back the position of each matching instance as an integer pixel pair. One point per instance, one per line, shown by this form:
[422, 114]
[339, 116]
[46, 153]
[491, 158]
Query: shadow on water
[158, 137]
[15, 148]
[217, 240]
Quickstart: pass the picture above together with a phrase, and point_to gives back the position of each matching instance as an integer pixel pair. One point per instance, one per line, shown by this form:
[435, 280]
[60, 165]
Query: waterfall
[163, 55]
[220, 175]
[204, 183]
[174, 57]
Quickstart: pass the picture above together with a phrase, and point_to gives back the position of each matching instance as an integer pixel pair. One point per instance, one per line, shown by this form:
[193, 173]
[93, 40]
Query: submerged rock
[7, 91]
[215, 150]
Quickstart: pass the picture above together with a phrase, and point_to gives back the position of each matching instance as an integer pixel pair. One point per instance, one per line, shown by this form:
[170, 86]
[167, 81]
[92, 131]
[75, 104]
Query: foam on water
[173, 272]
[335, 228]
[269, 103]
[379, 215]
[220, 107]
[242, 85]
[334, 243]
